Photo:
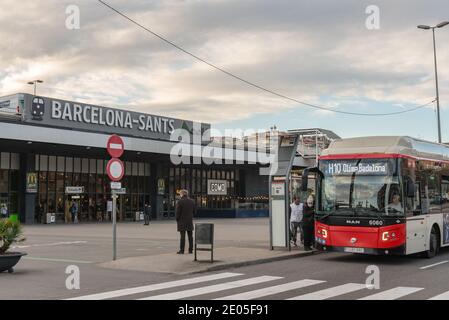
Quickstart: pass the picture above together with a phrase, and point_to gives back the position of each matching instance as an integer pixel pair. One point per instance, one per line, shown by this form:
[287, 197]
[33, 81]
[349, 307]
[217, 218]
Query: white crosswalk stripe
[157, 286]
[331, 292]
[243, 290]
[443, 296]
[211, 289]
[272, 290]
[392, 294]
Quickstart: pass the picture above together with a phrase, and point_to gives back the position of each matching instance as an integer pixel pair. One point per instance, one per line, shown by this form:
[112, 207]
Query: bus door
[416, 221]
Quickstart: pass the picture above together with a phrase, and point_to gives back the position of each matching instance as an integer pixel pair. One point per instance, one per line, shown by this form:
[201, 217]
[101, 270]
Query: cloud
[307, 50]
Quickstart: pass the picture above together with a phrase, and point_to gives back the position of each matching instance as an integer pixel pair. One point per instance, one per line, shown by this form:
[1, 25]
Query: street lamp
[425, 27]
[35, 82]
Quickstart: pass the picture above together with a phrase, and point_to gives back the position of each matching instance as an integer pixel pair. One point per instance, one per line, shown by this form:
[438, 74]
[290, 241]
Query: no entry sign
[115, 146]
[115, 169]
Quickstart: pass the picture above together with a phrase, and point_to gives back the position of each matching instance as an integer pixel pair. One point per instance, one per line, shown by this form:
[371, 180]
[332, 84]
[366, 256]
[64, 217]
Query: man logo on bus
[37, 108]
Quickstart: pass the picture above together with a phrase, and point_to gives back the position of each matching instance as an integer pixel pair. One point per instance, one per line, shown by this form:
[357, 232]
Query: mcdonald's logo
[31, 186]
[161, 186]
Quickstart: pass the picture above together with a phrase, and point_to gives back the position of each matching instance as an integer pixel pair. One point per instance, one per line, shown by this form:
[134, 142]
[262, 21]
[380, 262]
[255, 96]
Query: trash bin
[50, 218]
[14, 217]
[139, 216]
[204, 235]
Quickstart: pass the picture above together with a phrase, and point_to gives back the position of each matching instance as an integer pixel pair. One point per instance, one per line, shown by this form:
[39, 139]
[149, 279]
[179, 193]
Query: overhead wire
[272, 92]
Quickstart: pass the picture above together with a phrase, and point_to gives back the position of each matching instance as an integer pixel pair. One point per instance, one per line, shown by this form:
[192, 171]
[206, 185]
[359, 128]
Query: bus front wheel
[434, 244]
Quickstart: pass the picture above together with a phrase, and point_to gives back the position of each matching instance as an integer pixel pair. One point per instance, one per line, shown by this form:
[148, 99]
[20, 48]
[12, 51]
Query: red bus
[382, 195]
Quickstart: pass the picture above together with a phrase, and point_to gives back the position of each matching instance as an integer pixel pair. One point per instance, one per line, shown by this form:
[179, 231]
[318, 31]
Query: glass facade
[55, 173]
[194, 179]
[9, 183]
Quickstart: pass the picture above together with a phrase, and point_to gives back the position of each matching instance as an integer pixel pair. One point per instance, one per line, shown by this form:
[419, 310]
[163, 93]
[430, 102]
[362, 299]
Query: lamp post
[425, 27]
[35, 82]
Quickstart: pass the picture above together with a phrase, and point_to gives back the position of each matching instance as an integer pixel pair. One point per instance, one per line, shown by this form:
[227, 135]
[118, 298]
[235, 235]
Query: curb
[254, 262]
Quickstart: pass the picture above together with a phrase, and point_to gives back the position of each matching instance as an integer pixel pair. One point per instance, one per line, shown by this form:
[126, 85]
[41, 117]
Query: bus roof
[392, 145]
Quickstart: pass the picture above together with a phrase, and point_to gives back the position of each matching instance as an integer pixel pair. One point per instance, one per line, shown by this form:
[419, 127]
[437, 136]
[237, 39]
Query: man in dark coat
[184, 218]
[308, 223]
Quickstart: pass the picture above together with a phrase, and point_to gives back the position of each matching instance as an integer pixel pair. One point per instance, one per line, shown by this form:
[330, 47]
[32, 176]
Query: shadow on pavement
[373, 259]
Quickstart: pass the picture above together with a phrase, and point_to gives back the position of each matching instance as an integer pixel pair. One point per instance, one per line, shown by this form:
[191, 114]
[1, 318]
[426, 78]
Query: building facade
[53, 154]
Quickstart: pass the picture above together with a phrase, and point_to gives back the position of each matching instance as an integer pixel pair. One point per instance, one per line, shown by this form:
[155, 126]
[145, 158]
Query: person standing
[4, 210]
[39, 212]
[147, 213]
[296, 215]
[184, 218]
[74, 211]
[308, 223]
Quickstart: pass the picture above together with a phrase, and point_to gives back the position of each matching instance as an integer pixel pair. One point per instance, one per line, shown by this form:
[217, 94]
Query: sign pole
[114, 226]
[115, 170]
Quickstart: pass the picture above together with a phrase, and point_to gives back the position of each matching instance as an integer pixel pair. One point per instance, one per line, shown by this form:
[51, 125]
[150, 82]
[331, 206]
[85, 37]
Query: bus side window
[425, 202]
[434, 192]
[417, 200]
[445, 193]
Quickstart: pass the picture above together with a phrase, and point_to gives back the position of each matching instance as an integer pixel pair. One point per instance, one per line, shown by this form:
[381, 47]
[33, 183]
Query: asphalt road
[337, 269]
[52, 248]
[42, 274]
[324, 276]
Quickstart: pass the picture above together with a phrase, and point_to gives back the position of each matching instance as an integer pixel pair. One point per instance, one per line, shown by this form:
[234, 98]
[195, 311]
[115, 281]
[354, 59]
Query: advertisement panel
[10, 105]
[161, 186]
[31, 185]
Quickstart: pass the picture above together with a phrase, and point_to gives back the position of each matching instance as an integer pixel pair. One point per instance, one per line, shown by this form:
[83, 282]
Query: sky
[318, 51]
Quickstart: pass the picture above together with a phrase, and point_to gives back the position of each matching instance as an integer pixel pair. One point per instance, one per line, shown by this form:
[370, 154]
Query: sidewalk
[226, 257]
[153, 248]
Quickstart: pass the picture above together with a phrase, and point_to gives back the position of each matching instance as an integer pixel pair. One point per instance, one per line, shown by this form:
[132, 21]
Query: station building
[53, 152]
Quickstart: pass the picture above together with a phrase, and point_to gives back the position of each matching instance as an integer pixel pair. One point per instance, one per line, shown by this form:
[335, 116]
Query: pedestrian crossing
[392, 294]
[331, 292]
[443, 296]
[154, 287]
[256, 287]
[260, 293]
[211, 289]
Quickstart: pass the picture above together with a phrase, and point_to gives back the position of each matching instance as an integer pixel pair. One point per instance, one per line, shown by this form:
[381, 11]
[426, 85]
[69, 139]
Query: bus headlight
[324, 233]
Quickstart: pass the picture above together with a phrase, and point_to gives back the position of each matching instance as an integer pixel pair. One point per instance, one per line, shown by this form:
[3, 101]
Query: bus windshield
[361, 187]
